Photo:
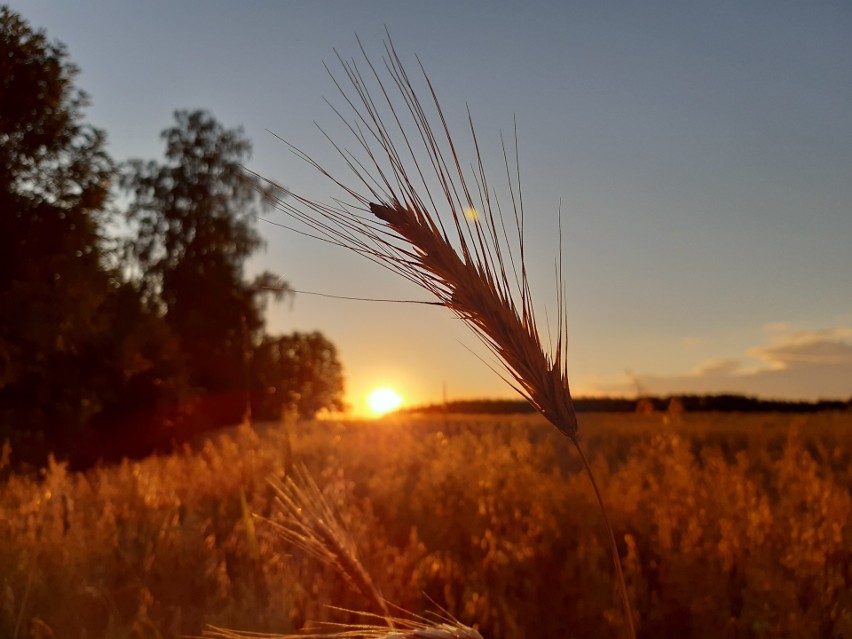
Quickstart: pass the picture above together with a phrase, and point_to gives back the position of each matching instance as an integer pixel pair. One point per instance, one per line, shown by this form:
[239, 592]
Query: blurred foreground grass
[729, 525]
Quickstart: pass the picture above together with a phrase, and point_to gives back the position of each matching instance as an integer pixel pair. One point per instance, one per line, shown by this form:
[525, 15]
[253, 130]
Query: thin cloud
[801, 365]
[718, 367]
[829, 347]
[777, 327]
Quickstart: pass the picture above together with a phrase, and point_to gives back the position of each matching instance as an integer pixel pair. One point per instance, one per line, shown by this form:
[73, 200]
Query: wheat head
[466, 261]
[312, 524]
[410, 210]
[403, 628]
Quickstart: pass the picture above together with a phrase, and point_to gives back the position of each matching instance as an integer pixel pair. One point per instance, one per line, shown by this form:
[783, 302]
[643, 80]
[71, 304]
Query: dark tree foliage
[54, 181]
[298, 372]
[101, 357]
[199, 205]
[193, 217]
[143, 381]
[88, 368]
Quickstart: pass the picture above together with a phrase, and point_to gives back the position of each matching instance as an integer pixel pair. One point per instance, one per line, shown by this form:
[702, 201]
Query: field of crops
[728, 526]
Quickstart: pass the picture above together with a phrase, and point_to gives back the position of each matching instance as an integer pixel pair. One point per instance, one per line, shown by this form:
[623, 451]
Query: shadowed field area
[728, 526]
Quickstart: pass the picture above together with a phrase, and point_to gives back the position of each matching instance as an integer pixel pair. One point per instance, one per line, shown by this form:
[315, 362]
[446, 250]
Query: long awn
[417, 211]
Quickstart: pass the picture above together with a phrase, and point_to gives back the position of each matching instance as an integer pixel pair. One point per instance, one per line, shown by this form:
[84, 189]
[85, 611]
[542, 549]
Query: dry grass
[312, 524]
[734, 525]
[468, 262]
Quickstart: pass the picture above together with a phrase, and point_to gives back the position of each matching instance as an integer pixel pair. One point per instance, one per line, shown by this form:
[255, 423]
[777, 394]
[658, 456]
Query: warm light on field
[383, 400]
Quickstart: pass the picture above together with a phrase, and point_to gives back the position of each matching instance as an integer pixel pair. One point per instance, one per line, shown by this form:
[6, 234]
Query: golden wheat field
[728, 526]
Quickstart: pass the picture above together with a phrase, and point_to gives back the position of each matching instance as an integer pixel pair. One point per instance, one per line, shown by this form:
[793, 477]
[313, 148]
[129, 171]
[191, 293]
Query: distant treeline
[680, 403]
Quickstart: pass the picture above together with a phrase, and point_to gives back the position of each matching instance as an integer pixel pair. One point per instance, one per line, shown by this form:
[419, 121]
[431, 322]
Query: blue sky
[702, 153]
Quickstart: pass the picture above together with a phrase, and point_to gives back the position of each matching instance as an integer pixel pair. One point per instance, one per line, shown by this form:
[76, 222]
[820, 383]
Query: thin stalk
[24, 603]
[422, 233]
[616, 559]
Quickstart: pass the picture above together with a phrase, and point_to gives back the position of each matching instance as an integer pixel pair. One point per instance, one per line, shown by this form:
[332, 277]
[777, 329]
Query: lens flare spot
[383, 400]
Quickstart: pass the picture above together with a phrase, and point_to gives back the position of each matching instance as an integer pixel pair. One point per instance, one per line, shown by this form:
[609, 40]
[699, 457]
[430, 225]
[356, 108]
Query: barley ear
[408, 212]
[407, 627]
[312, 524]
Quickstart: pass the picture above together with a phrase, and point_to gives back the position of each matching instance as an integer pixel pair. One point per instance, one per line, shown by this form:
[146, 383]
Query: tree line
[126, 328]
[723, 403]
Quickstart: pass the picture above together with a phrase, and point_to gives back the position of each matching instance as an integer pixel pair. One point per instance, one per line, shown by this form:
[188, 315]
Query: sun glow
[383, 400]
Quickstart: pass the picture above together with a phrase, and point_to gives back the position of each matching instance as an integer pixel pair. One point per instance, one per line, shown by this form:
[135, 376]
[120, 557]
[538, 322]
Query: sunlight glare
[383, 400]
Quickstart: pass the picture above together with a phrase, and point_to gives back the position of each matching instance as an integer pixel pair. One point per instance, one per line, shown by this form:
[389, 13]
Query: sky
[701, 153]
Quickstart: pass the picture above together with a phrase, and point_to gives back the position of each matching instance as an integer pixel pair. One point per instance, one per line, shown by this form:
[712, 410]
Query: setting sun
[383, 400]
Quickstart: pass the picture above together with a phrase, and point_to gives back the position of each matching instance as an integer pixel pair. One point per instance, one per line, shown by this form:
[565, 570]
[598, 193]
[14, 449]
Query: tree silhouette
[298, 372]
[54, 181]
[194, 217]
[102, 357]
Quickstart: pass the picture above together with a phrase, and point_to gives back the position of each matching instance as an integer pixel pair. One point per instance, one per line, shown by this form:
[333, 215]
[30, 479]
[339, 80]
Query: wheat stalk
[407, 171]
[312, 524]
[402, 628]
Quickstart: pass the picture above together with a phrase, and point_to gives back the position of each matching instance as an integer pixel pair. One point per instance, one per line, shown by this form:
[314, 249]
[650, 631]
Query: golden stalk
[402, 628]
[312, 524]
[408, 172]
